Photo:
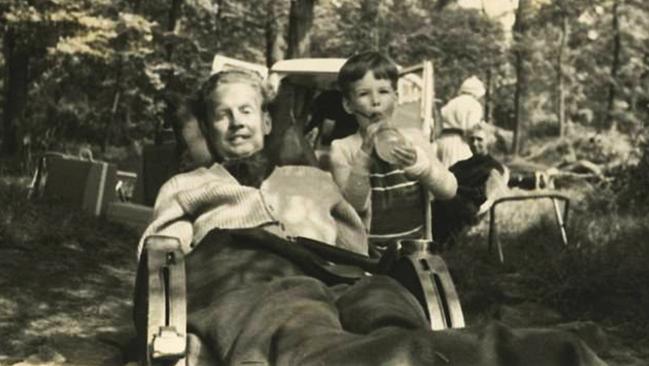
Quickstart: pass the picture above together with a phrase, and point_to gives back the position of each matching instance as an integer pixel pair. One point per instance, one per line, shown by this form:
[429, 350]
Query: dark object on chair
[529, 180]
[328, 105]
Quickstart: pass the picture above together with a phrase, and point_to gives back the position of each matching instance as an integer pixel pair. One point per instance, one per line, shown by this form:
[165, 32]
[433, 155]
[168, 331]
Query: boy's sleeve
[429, 171]
[350, 170]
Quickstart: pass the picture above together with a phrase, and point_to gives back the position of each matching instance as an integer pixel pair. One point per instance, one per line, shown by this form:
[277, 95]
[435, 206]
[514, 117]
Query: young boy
[389, 196]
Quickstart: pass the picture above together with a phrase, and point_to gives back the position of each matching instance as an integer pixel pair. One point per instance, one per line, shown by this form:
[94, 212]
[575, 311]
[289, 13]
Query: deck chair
[538, 187]
[163, 290]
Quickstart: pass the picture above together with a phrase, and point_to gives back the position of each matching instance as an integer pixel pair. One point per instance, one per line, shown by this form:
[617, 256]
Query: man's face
[237, 123]
[478, 143]
[371, 100]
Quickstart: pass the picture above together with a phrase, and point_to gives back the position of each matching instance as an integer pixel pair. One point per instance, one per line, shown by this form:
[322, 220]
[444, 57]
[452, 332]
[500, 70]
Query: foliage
[104, 71]
[631, 182]
[587, 66]
[460, 42]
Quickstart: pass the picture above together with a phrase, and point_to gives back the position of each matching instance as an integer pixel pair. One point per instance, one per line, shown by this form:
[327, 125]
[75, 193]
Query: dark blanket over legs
[250, 305]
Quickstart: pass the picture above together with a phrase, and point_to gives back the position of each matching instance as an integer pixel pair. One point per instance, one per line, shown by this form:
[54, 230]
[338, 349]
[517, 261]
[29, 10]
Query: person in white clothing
[459, 115]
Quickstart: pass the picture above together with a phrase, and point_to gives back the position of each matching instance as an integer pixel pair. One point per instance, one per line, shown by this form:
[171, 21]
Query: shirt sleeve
[169, 217]
[350, 170]
[429, 171]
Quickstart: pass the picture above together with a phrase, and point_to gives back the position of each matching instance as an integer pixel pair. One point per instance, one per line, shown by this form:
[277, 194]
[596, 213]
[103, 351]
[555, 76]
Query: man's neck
[250, 170]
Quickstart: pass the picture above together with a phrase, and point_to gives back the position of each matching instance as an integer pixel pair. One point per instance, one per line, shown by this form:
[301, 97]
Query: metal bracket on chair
[167, 302]
[168, 344]
[561, 219]
[427, 277]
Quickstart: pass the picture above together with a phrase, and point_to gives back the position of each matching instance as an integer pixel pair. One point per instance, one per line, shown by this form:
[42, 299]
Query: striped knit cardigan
[294, 201]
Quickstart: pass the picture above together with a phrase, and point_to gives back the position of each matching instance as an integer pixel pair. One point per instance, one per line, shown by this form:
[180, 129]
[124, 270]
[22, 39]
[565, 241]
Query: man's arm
[169, 217]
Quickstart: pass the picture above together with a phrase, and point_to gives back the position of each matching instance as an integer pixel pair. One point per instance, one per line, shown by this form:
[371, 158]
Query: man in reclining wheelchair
[256, 294]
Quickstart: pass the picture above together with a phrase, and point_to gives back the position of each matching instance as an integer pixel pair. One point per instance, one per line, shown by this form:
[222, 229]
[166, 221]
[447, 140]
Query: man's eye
[219, 116]
[246, 110]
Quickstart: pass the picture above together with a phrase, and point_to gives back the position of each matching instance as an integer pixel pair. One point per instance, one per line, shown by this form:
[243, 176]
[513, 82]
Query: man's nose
[236, 120]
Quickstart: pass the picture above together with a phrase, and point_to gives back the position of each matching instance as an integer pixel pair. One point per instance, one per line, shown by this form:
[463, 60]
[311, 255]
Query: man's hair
[486, 129]
[204, 98]
[358, 65]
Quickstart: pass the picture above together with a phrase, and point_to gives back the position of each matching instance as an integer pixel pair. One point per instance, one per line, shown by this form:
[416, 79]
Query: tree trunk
[274, 37]
[371, 15]
[299, 28]
[615, 67]
[170, 108]
[521, 65]
[488, 99]
[15, 89]
[561, 92]
[172, 21]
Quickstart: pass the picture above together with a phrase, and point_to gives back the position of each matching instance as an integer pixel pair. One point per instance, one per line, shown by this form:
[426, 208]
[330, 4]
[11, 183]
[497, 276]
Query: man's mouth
[239, 137]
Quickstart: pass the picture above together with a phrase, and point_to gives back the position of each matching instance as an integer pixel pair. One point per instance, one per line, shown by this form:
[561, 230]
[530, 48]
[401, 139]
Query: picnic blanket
[250, 303]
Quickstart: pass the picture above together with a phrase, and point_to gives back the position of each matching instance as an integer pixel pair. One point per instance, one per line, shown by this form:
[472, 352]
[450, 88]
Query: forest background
[569, 79]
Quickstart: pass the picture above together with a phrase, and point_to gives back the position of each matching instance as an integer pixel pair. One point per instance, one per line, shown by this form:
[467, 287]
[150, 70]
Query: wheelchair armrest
[166, 302]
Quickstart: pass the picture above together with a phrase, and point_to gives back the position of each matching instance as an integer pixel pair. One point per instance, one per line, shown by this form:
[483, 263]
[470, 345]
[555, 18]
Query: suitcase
[130, 214]
[80, 182]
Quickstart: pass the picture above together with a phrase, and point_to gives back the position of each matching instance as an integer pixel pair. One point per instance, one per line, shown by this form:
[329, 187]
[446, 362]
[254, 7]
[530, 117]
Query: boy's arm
[352, 176]
[430, 172]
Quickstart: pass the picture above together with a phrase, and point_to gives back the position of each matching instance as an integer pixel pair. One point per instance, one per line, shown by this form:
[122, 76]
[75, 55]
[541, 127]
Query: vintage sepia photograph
[324, 182]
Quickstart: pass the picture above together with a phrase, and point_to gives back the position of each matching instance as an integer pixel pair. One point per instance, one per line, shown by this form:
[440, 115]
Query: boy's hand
[368, 137]
[405, 156]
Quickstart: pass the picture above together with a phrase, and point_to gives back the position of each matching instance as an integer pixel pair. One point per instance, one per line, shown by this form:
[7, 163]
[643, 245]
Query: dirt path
[65, 287]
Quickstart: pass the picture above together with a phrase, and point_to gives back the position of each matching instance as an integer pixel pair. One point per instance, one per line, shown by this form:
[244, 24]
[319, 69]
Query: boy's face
[237, 124]
[371, 100]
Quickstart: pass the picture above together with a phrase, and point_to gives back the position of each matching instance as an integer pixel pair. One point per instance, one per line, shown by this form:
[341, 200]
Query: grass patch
[600, 276]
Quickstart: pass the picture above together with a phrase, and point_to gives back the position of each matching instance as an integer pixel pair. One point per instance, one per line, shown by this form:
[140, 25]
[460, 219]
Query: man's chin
[240, 152]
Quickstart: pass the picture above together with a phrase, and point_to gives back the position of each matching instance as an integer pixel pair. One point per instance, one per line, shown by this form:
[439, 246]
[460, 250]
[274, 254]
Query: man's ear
[267, 123]
[347, 106]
